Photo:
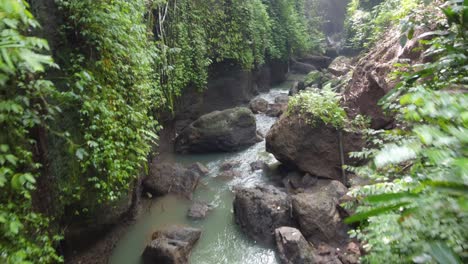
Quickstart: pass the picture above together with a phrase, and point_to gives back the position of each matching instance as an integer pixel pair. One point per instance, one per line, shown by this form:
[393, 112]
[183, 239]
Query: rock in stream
[219, 131]
[171, 246]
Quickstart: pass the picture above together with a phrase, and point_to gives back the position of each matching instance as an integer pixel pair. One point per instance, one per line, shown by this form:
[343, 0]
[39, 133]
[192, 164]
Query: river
[221, 242]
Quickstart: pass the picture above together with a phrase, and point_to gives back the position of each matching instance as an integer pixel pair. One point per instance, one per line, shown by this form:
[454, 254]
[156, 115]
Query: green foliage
[121, 61]
[291, 31]
[416, 209]
[113, 86]
[367, 21]
[316, 105]
[23, 106]
[193, 34]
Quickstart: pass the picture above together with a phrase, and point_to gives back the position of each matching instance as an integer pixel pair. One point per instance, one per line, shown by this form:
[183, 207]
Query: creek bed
[222, 241]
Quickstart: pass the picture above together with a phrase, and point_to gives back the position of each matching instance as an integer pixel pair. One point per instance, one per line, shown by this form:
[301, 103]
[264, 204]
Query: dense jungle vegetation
[79, 111]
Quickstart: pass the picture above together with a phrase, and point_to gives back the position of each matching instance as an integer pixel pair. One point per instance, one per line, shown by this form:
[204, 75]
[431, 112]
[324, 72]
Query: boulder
[313, 149]
[302, 67]
[258, 105]
[219, 131]
[198, 210]
[229, 165]
[260, 210]
[318, 217]
[199, 168]
[340, 66]
[228, 175]
[292, 246]
[165, 177]
[258, 165]
[282, 99]
[171, 246]
[276, 110]
[296, 87]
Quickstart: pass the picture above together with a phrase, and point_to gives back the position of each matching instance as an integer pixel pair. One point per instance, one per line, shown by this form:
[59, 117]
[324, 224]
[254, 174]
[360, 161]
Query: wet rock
[296, 88]
[228, 175]
[276, 110]
[165, 177]
[260, 210]
[258, 165]
[292, 181]
[292, 246]
[171, 246]
[318, 217]
[258, 105]
[219, 131]
[308, 181]
[340, 66]
[260, 137]
[199, 168]
[282, 99]
[351, 254]
[313, 149]
[199, 210]
[229, 165]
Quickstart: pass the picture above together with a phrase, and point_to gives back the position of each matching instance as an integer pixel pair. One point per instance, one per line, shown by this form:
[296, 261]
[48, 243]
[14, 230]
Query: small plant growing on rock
[318, 105]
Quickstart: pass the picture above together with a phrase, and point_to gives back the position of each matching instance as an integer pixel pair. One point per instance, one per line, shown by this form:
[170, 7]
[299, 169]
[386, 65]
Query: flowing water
[221, 241]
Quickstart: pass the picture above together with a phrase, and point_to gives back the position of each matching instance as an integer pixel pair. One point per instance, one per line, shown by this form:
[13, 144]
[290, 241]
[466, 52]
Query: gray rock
[171, 246]
[276, 110]
[312, 149]
[219, 131]
[258, 105]
[198, 210]
[260, 210]
[164, 178]
[282, 99]
[318, 217]
[296, 88]
[292, 246]
[258, 165]
[340, 66]
[229, 165]
[228, 175]
[199, 168]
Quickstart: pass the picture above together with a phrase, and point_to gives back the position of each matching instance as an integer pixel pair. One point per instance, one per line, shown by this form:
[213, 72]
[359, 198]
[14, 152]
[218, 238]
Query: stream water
[222, 242]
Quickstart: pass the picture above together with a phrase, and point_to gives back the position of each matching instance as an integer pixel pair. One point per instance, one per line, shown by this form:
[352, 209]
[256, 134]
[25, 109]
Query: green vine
[24, 234]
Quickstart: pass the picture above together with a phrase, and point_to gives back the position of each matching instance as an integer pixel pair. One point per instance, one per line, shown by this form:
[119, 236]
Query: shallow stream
[221, 241]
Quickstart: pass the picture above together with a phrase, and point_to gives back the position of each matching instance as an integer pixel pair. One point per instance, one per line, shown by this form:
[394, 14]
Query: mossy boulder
[219, 131]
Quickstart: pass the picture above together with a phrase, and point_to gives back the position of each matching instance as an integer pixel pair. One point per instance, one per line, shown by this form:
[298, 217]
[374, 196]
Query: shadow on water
[221, 241]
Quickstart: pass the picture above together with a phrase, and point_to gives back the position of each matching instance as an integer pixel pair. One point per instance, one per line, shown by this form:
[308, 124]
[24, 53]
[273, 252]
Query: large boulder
[318, 217]
[313, 149]
[260, 210]
[165, 177]
[340, 66]
[171, 246]
[258, 105]
[219, 131]
[292, 246]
